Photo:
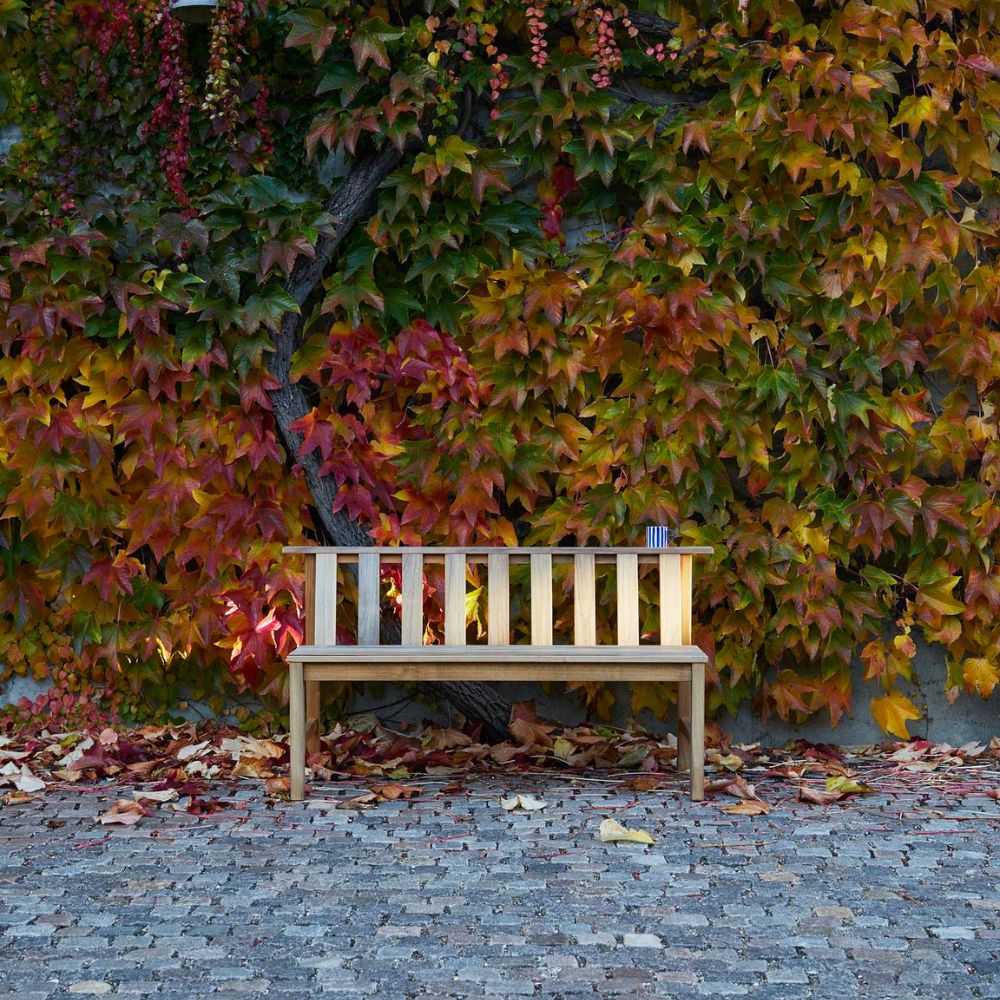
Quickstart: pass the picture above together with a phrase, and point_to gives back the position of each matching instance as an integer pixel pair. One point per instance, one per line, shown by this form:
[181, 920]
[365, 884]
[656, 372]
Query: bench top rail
[322, 592]
[515, 552]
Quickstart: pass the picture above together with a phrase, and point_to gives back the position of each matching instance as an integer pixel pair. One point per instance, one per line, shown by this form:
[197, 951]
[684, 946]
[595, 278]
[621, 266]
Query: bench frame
[319, 658]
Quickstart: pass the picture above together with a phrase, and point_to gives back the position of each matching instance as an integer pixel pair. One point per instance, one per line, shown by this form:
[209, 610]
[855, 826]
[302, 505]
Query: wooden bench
[321, 658]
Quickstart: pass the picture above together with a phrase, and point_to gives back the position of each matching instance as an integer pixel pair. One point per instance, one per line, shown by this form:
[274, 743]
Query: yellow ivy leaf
[937, 595]
[892, 713]
[979, 675]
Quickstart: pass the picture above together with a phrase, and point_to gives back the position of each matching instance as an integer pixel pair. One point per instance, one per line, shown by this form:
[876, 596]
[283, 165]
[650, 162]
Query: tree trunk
[352, 202]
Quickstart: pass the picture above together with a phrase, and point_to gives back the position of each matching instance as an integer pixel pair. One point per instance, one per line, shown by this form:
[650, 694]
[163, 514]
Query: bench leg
[684, 726]
[697, 744]
[312, 717]
[297, 730]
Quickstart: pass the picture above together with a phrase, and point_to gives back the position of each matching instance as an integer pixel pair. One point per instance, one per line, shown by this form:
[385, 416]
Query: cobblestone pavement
[449, 896]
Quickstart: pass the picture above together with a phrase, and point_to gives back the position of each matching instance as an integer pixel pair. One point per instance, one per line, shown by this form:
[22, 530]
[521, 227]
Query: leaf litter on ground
[175, 767]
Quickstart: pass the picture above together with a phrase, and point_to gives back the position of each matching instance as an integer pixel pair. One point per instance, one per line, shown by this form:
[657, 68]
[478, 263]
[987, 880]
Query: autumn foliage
[728, 266]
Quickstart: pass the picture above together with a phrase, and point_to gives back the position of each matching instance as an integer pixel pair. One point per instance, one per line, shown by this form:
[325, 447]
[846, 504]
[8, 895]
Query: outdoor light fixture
[193, 11]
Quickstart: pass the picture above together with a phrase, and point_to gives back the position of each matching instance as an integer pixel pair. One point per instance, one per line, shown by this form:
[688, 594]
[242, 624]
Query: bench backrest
[674, 592]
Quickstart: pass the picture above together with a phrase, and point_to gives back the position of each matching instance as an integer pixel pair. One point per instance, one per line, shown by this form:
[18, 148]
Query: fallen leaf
[733, 786]
[107, 738]
[730, 762]
[27, 782]
[253, 767]
[633, 757]
[124, 812]
[192, 750]
[848, 786]
[166, 795]
[525, 726]
[818, 796]
[205, 770]
[76, 753]
[394, 791]
[523, 803]
[250, 747]
[18, 798]
[365, 801]
[642, 784]
[446, 739]
[67, 775]
[611, 831]
[748, 807]
[278, 788]
[504, 753]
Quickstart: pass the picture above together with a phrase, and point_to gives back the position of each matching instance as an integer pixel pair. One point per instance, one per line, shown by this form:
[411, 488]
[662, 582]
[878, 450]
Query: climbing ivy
[544, 273]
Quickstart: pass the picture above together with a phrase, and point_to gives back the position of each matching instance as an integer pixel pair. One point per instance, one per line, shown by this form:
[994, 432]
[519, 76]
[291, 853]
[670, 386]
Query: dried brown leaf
[749, 807]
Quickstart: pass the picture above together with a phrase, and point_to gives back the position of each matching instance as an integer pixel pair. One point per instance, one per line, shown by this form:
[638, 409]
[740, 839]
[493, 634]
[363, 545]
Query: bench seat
[498, 663]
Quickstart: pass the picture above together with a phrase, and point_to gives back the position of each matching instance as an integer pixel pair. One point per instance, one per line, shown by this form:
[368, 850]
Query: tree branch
[650, 24]
[352, 202]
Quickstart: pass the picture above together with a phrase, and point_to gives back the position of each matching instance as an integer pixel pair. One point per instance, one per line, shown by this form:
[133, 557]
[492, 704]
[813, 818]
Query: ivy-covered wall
[774, 324]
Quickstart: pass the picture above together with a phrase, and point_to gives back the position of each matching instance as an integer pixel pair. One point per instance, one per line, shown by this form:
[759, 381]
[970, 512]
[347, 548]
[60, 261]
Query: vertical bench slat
[685, 692]
[313, 703]
[670, 601]
[413, 599]
[627, 580]
[309, 602]
[324, 627]
[541, 600]
[686, 564]
[368, 599]
[498, 599]
[584, 601]
[454, 599]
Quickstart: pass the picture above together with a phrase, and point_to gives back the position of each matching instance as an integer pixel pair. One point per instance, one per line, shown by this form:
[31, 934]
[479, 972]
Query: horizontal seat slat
[485, 670]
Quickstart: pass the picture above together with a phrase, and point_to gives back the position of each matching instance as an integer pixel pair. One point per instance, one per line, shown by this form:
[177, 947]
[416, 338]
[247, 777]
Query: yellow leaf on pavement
[847, 786]
[611, 831]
